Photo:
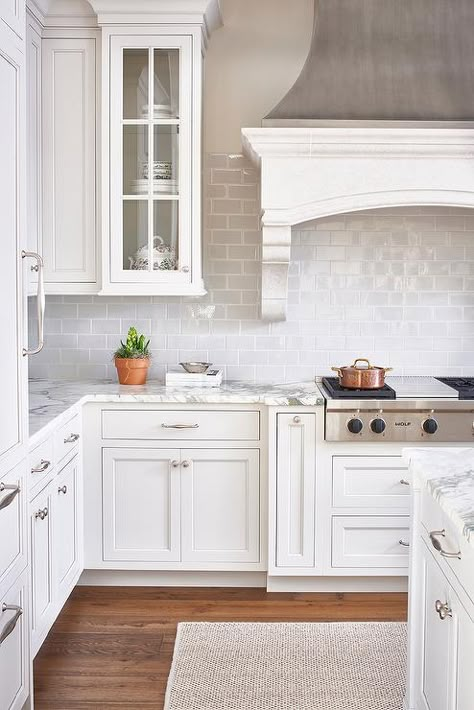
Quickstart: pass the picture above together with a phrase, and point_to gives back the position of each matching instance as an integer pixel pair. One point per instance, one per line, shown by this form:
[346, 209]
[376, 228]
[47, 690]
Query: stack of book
[177, 377]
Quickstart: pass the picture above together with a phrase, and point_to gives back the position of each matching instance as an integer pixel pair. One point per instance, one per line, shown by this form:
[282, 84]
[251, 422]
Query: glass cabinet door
[150, 204]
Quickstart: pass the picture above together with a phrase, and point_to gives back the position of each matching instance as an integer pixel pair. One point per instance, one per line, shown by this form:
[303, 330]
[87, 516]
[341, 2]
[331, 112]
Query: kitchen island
[441, 607]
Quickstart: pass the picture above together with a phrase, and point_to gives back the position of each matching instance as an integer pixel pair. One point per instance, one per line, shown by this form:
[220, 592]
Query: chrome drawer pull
[404, 482]
[443, 610]
[62, 489]
[175, 464]
[42, 467]
[434, 534]
[180, 426]
[42, 514]
[186, 464]
[403, 543]
[10, 497]
[71, 438]
[10, 625]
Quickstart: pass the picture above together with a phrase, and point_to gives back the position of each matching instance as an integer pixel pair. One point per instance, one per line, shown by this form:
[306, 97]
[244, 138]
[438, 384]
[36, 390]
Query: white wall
[252, 62]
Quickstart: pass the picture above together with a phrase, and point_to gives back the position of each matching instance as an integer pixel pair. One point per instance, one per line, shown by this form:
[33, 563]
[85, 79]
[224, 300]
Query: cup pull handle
[10, 625]
[9, 498]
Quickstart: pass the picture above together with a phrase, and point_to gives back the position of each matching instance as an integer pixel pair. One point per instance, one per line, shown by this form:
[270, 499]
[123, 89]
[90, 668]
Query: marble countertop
[49, 400]
[448, 474]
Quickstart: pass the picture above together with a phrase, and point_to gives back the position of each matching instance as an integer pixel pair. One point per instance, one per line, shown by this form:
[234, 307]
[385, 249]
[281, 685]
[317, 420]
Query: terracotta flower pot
[132, 371]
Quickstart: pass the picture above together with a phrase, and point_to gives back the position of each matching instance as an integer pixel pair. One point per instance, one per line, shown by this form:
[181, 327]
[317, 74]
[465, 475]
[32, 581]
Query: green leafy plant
[134, 347]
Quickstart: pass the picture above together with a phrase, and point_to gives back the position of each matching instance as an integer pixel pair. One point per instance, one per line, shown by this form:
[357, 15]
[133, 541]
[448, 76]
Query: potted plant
[132, 359]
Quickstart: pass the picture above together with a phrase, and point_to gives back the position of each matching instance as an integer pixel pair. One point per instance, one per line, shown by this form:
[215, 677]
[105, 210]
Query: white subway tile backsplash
[396, 285]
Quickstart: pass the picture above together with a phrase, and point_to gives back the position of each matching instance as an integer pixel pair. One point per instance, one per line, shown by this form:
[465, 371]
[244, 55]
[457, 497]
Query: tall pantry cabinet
[14, 601]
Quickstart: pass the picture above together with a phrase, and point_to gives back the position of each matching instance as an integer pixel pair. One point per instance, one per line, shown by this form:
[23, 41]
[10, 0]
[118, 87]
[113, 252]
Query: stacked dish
[159, 111]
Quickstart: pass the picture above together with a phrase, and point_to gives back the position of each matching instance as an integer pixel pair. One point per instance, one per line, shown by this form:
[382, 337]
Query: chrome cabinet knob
[175, 464]
[297, 420]
[443, 610]
[42, 514]
[62, 489]
[186, 464]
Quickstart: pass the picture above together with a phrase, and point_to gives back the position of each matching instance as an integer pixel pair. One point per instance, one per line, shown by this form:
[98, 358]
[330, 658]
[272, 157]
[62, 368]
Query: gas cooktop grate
[463, 385]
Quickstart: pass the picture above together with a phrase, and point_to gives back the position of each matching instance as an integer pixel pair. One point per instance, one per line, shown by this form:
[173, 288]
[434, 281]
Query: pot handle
[338, 370]
[362, 359]
[387, 369]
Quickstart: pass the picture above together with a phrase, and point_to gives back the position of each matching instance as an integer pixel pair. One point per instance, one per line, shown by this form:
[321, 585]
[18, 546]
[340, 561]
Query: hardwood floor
[111, 647]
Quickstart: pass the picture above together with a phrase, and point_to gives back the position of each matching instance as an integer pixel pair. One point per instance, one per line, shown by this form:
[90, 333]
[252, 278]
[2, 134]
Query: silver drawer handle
[71, 438]
[175, 464]
[10, 625]
[403, 543]
[42, 467]
[443, 610]
[40, 300]
[41, 514]
[10, 497]
[404, 482]
[434, 534]
[62, 489]
[180, 426]
[186, 464]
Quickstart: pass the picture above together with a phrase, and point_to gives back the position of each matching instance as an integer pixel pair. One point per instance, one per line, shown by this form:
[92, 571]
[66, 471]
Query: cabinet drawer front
[370, 482]
[370, 541]
[67, 437]
[181, 425]
[14, 648]
[40, 463]
[12, 522]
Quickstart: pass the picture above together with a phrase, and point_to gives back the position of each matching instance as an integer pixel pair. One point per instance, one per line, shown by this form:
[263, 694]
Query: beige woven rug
[302, 666]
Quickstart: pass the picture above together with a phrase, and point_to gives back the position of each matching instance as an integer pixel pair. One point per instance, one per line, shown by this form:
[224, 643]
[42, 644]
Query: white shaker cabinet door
[438, 638]
[465, 656]
[41, 566]
[296, 469]
[33, 146]
[11, 233]
[220, 505]
[66, 557]
[141, 504]
[14, 631]
[69, 162]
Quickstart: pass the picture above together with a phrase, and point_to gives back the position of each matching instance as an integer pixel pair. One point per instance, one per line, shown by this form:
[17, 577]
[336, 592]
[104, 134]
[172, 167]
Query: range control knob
[355, 426]
[378, 425]
[430, 426]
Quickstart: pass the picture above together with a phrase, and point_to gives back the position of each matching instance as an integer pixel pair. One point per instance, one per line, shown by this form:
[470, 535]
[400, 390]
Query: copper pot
[361, 378]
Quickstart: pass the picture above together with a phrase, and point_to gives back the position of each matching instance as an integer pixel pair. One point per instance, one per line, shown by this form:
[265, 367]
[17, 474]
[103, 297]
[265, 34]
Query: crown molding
[309, 173]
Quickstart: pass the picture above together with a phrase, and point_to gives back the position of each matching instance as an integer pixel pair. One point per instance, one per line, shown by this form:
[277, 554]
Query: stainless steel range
[415, 409]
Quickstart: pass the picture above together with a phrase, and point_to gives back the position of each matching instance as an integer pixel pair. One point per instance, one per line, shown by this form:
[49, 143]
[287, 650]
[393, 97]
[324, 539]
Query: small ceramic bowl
[196, 367]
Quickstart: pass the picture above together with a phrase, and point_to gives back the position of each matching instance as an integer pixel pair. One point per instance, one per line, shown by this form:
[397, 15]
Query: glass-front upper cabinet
[154, 223]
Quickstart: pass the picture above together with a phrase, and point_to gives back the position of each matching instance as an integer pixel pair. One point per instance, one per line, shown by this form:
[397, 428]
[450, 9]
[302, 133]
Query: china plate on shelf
[140, 187]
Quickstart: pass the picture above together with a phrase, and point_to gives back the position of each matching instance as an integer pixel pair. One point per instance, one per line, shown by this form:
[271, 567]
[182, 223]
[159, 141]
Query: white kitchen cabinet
[371, 541]
[370, 482]
[464, 654]
[12, 210]
[12, 16]
[296, 505]
[66, 539]
[33, 146]
[41, 566]
[220, 505]
[69, 157]
[14, 645]
[141, 501]
[151, 148]
[13, 545]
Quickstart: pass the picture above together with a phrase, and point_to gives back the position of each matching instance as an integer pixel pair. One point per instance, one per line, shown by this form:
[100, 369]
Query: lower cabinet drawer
[67, 437]
[370, 482]
[370, 541]
[40, 463]
[14, 663]
[12, 523]
[181, 425]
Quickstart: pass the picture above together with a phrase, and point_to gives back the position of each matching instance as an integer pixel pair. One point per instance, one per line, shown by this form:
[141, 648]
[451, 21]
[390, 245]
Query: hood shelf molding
[314, 172]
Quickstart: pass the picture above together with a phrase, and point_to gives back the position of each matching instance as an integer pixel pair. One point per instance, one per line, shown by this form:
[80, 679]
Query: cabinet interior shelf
[155, 196]
[152, 121]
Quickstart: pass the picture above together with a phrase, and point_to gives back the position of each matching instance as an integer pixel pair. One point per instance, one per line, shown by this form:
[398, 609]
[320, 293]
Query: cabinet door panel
[65, 546]
[437, 638]
[221, 505]
[33, 115]
[13, 555]
[141, 504]
[14, 657]
[11, 196]
[41, 563]
[296, 468]
[465, 656]
[69, 160]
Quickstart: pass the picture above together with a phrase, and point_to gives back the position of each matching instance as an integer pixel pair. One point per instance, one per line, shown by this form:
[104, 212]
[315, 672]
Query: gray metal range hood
[385, 60]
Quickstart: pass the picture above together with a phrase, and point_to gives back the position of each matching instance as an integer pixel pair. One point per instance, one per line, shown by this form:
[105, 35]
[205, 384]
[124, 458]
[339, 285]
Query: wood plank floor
[111, 647]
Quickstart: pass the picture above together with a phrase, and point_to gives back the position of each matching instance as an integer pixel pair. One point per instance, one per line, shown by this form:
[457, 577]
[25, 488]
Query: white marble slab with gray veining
[448, 475]
[49, 400]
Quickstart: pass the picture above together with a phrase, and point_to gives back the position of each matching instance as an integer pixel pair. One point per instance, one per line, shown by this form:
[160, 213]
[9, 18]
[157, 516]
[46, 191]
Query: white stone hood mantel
[316, 171]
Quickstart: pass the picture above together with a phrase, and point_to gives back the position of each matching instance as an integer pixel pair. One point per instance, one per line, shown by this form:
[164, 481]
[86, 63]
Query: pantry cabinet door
[296, 470]
[220, 505]
[41, 566]
[12, 318]
[69, 161]
[141, 504]
[66, 558]
[14, 650]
